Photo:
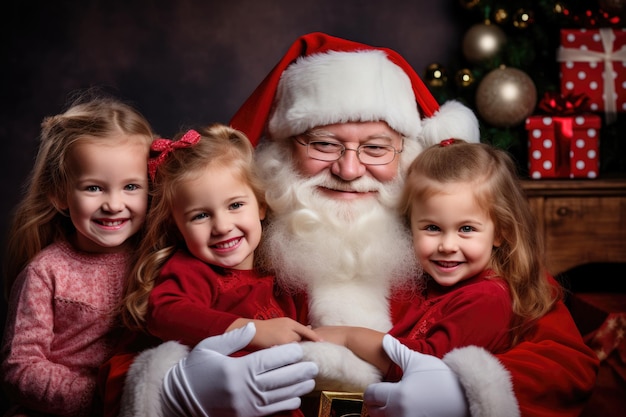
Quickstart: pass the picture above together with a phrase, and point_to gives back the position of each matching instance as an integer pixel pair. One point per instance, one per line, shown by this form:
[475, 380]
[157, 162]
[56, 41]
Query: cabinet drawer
[584, 230]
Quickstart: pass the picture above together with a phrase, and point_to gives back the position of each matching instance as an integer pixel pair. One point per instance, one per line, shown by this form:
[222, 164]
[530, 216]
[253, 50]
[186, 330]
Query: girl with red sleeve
[195, 274]
[474, 236]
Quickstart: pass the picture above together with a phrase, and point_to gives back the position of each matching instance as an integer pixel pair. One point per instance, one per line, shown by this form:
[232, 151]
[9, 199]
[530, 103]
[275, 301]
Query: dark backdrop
[181, 63]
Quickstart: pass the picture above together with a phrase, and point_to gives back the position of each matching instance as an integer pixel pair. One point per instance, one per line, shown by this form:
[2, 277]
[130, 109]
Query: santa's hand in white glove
[427, 388]
[207, 382]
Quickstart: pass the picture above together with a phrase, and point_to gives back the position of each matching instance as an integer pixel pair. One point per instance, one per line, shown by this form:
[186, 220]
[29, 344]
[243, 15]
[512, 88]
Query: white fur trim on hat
[452, 120]
[339, 87]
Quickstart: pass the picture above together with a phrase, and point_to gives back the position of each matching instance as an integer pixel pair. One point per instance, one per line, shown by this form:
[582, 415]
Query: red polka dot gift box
[593, 63]
[563, 146]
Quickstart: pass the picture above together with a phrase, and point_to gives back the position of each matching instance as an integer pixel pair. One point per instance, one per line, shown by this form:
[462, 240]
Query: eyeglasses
[368, 154]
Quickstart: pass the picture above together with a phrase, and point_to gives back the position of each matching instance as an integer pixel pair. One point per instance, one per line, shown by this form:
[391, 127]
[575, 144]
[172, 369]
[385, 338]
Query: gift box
[593, 63]
[563, 146]
[342, 404]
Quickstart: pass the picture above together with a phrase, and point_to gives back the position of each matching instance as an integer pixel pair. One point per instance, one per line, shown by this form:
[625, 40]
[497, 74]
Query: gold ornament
[523, 18]
[483, 41]
[506, 97]
[500, 16]
[559, 8]
[464, 78]
[436, 75]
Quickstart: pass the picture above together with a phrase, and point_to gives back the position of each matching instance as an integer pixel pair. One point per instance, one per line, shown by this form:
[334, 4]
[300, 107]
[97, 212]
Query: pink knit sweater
[58, 328]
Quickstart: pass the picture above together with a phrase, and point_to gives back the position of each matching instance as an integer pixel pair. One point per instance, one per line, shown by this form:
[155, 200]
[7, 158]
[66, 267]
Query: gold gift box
[342, 404]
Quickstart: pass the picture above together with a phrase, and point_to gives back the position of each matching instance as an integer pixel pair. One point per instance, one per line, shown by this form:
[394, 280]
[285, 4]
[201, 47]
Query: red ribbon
[554, 103]
[446, 142]
[165, 146]
[562, 108]
[563, 134]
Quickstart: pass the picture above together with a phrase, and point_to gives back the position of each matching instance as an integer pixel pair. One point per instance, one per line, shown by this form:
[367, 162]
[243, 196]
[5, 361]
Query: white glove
[208, 383]
[427, 388]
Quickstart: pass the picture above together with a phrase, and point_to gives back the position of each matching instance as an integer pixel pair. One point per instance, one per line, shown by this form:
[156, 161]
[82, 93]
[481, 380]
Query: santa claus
[336, 123]
[335, 234]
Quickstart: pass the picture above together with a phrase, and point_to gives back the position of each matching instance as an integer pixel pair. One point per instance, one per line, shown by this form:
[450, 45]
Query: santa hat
[323, 80]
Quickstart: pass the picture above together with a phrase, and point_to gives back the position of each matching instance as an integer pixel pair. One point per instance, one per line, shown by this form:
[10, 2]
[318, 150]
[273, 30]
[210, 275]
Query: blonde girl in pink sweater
[68, 253]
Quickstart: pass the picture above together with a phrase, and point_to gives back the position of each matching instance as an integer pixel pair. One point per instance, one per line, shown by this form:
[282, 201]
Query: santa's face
[348, 168]
[331, 232]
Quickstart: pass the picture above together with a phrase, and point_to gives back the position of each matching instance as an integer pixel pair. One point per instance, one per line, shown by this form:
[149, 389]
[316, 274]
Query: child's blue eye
[200, 216]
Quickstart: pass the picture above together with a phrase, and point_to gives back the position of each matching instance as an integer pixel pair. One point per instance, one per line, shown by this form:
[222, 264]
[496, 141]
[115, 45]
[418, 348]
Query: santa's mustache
[387, 193]
[360, 185]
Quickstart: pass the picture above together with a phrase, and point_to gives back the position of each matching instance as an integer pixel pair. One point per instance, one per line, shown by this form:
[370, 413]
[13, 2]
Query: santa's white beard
[346, 255]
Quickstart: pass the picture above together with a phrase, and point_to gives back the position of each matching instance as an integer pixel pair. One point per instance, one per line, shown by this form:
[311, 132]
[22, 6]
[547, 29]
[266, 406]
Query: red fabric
[253, 116]
[474, 312]
[192, 300]
[111, 382]
[553, 371]
[609, 342]
[112, 374]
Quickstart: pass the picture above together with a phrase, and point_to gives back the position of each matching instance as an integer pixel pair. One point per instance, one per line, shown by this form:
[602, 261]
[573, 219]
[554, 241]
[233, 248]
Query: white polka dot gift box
[593, 62]
[563, 146]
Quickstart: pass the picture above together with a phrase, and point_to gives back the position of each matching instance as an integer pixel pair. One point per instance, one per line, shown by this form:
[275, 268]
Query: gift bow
[165, 146]
[607, 56]
[557, 104]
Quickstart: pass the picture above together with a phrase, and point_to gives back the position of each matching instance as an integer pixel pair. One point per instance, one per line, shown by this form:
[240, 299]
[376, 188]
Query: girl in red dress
[474, 236]
[195, 276]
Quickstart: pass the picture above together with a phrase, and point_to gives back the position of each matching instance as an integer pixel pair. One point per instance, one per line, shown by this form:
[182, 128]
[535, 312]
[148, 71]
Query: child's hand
[363, 342]
[334, 334]
[279, 331]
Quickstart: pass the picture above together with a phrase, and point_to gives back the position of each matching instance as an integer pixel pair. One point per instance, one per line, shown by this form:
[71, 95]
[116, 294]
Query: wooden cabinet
[582, 221]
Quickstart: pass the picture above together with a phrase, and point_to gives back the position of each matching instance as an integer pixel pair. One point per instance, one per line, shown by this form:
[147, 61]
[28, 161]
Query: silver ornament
[505, 97]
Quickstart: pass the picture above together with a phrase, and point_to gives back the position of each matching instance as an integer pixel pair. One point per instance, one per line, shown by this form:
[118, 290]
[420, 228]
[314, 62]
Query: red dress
[193, 300]
[476, 311]
[190, 302]
[552, 372]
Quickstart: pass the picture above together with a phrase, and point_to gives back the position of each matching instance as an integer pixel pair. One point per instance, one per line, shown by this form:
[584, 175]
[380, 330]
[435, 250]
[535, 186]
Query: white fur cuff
[144, 381]
[487, 383]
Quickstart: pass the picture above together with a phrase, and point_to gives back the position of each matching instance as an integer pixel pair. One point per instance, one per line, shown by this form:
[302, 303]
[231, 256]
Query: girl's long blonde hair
[36, 221]
[220, 146]
[492, 175]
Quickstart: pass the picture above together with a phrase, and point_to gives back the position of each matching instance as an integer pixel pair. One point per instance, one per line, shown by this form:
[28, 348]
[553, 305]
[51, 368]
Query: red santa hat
[323, 80]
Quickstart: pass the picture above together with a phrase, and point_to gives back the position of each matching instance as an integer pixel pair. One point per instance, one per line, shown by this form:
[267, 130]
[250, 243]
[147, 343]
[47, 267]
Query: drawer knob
[563, 211]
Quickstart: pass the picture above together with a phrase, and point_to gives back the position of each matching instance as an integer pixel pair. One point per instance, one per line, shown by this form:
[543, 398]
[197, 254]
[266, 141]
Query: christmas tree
[507, 70]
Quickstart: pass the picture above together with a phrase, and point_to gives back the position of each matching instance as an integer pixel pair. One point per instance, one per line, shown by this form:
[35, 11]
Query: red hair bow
[165, 146]
[446, 142]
